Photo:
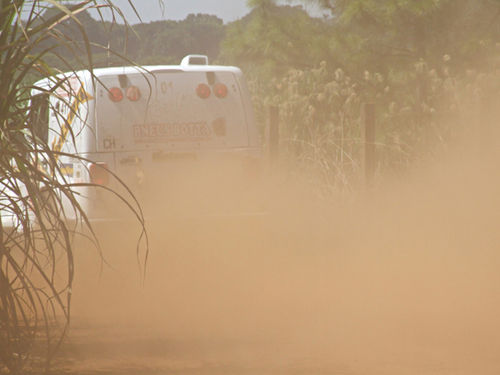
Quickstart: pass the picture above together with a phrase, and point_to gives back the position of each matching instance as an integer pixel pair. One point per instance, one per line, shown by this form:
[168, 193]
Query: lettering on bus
[160, 132]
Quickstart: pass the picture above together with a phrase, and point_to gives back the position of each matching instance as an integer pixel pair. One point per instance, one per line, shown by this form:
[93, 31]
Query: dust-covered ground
[402, 278]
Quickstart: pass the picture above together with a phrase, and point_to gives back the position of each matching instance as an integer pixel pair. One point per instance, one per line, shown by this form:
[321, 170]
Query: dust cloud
[402, 278]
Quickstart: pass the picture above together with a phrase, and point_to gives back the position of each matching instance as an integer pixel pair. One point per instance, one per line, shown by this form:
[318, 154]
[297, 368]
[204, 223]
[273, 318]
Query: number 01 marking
[164, 87]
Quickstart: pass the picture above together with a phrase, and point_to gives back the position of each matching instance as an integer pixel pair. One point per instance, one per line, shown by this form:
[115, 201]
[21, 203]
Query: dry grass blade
[36, 247]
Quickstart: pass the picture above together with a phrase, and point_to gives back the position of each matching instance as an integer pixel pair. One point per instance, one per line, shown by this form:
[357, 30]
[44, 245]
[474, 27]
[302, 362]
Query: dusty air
[292, 188]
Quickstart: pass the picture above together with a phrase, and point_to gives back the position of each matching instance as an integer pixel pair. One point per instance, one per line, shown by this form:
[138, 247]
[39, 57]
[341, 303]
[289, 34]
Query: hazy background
[228, 10]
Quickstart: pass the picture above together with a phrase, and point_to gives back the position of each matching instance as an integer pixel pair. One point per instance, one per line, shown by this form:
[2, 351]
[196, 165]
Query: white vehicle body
[144, 125]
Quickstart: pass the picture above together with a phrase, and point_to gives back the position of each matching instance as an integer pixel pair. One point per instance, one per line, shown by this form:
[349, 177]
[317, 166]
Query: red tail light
[133, 93]
[98, 173]
[115, 94]
[220, 90]
[203, 90]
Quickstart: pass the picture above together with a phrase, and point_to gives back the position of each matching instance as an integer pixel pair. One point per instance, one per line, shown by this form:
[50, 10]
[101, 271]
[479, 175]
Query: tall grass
[419, 114]
[36, 247]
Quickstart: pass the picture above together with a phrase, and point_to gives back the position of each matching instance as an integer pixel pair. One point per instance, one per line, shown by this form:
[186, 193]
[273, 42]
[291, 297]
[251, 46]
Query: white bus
[148, 125]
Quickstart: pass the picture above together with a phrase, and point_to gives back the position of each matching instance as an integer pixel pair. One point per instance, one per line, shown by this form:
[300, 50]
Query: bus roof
[100, 72]
[190, 63]
[126, 70]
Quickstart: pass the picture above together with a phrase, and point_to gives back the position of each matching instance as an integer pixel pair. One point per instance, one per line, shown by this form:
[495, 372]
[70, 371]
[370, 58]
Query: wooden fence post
[274, 133]
[370, 154]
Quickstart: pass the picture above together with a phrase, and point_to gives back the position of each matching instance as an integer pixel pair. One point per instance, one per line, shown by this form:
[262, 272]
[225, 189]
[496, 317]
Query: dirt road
[400, 280]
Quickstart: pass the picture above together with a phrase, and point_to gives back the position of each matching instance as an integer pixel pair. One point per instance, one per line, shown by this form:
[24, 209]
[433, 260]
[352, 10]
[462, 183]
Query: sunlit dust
[399, 278]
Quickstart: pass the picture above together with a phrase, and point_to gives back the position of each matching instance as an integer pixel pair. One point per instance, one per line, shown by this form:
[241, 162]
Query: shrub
[36, 250]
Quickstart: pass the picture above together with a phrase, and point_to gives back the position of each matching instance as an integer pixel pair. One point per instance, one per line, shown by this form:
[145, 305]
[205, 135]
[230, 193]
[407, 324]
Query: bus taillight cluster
[132, 93]
[204, 91]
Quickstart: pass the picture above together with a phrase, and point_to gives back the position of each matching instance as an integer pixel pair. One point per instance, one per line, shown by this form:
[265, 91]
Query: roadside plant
[320, 123]
[420, 114]
[36, 240]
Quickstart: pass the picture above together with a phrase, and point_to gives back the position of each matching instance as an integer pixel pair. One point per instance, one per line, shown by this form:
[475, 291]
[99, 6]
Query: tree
[172, 40]
[158, 42]
[392, 34]
[36, 249]
[272, 39]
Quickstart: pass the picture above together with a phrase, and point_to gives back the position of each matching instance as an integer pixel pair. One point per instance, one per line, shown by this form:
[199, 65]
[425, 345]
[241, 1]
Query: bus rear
[182, 138]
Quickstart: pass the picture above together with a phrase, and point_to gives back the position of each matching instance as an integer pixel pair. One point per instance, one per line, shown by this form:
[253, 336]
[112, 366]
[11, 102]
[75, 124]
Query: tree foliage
[272, 39]
[167, 42]
[422, 63]
[392, 34]
[158, 42]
